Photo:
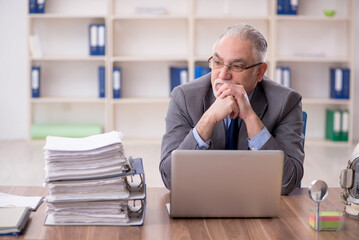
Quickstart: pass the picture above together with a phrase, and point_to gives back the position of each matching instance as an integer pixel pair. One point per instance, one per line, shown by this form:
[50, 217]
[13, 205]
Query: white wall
[13, 70]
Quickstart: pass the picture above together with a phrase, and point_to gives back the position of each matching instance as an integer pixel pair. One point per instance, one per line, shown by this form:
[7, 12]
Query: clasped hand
[232, 100]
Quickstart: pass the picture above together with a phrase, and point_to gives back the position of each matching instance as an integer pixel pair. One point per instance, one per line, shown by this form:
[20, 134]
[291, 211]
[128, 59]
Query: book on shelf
[337, 125]
[13, 220]
[178, 76]
[287, 7]
[91, 182]
[36, 6]
[199, 71]
[35, 46]
[283, 76]
[41, 131]
[339, 83]
[35, 81]
[101, 81]
[97, 39]
[116, 82]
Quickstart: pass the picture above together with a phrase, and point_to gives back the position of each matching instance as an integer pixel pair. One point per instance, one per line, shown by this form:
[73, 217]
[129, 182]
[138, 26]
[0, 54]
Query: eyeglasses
[236, 67]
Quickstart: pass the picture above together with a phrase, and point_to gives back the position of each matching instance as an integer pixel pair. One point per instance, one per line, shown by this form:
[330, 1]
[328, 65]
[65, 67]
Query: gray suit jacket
[279, 108]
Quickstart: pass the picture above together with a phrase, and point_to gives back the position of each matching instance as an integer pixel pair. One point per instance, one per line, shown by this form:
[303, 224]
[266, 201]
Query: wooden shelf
[69, 58]
[65, 16]
[312, 59]
[150, 58]
[68, 100]
[324, 142]
[149, 17]
[232, 17]
[311, 18]
[141, 100]
[325, 101]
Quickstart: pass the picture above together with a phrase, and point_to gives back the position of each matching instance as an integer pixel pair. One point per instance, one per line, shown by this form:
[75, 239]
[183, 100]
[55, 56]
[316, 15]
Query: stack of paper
[89, 182]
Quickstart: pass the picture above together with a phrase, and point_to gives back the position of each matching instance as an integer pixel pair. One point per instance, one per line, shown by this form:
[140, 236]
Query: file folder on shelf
[93, 39]
[36, 6]
[283, 76]
[32, 6]
[116, 82]
[40, 6]
[101, 39]
[101, 80]
[35, 81]
[339, 83]
[199, 71]
[287, 7]
[337, 122]
[97, 39]
[178, 76]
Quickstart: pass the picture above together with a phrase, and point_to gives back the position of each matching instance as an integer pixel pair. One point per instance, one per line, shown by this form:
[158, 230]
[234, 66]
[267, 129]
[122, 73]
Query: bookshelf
[180, 33]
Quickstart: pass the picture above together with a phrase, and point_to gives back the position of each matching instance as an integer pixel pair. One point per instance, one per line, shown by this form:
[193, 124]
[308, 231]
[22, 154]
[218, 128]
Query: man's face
[231, 50]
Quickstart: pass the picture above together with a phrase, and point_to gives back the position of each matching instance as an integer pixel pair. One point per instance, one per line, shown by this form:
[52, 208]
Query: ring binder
[84, 189]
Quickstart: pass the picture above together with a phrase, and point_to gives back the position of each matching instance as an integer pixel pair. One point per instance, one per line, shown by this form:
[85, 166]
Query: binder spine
[40, 6]
[339, 83]
[337, 124]
[286, 77]
[32, 6]
[93, 39]
[101, 39]
[287, 7]
[283, 76]
[101, 79]
[344, 125]
[199, 71]
[178, 76]
[116, 82]
[35, 81]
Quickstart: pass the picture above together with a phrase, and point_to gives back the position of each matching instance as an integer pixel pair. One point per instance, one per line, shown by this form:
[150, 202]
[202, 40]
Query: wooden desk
[292, 222]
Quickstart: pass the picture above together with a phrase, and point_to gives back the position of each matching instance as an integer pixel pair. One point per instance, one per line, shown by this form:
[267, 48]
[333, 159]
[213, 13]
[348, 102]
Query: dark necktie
[232, 135]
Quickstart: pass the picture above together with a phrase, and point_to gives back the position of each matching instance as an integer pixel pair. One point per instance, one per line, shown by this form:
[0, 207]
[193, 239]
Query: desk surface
[292, 222]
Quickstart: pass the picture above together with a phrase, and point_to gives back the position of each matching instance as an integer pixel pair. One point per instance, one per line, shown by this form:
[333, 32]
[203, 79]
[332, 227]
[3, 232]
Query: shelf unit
[146, 45]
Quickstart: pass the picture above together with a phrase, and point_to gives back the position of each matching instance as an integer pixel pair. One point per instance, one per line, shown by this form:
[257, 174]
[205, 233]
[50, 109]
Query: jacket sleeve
[178, 133]
[287, 136]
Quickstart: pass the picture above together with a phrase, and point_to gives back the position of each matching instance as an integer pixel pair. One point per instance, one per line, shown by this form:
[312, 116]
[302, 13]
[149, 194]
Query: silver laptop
[225, 183]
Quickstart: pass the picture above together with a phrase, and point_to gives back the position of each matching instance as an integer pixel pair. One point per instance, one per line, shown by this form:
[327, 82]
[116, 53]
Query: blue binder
[35, 81]
[32, 6]
[116, 82]
[287, 7]
[101, 39]
[40, 6]
[199, 71]
[178, 76]
[93, 39]
[101, 80]
[339, 83]
[283, 76]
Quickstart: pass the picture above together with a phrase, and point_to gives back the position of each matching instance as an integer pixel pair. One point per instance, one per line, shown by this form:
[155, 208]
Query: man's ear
[261, 71]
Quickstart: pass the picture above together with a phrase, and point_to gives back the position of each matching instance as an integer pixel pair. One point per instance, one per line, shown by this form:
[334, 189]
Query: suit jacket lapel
[259, 105]
[218, 135]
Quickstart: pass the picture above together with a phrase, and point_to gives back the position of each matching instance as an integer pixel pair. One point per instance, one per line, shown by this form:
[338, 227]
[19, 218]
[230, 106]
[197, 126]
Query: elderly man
[236, 107]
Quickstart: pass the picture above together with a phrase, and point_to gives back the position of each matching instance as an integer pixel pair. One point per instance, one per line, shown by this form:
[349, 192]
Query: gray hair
[247, 32]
